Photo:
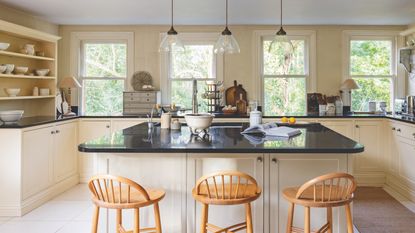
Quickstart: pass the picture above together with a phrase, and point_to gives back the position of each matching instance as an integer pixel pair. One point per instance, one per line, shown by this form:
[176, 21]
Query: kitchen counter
[41, 120]
[222, 138]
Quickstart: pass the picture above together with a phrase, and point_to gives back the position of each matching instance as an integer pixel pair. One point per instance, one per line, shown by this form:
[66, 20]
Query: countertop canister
[255, 118]
[165, 120]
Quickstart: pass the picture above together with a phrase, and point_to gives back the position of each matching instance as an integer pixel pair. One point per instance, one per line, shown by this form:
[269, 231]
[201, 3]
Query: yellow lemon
[284, 120]
[292, 120]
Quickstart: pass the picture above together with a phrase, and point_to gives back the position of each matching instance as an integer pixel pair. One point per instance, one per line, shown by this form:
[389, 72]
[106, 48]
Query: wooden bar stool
[327, 191]
[226, 188]
[119, 193]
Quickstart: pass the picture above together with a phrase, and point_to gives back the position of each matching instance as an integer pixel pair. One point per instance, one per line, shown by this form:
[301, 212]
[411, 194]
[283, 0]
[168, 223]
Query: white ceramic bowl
[9, 68]
[42, 72]
[12, 92]
[198, 122]
[21, 69]
[2, 68]
[44, 91]
[4, 46]
[11, 116]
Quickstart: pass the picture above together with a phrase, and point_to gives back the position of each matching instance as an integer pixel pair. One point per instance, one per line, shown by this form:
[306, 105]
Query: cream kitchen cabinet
[37, 160]
[369, 165]
[117, 125]
[293, 170]
[65, 159]
[344, 127]
[90, 129]
[48, 156]
[199, 165]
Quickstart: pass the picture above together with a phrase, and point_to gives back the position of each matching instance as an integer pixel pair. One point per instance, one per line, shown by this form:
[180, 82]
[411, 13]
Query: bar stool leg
[205, 216]
[307, 220]
[330, 219]
[349, 219]
[248, 213]
[119, 221]
[290, 218]
[95, 220]
[157, 217]
[136, 220]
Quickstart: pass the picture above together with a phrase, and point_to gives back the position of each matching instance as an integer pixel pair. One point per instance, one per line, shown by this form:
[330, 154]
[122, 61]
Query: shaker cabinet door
[293, 170]
[37, 160]
[369, 134]
[65, 151]
[224, 216]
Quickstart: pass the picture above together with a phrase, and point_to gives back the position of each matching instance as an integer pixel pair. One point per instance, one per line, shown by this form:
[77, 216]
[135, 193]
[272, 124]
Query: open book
[272, 130]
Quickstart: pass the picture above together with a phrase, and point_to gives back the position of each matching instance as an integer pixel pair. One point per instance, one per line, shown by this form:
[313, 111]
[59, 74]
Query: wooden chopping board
[232, 94]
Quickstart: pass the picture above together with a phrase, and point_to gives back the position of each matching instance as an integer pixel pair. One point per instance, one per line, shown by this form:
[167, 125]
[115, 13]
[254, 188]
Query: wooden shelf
[26, 97]
[25, 76]
[13, 54]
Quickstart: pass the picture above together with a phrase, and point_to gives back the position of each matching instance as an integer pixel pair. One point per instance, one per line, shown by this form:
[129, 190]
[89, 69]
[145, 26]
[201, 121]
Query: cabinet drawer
[137, 105]
[405, 131]
[136, 111]
[140, 99]
[140, 94]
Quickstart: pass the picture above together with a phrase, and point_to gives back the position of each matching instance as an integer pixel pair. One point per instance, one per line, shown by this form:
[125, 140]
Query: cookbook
[272, 130]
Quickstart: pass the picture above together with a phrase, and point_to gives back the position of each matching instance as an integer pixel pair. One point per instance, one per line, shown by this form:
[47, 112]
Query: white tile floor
[69, 212]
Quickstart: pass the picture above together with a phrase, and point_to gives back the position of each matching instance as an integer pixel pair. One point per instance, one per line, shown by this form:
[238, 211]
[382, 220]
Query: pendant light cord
[281, 14]
[226, 13]
[172, 12]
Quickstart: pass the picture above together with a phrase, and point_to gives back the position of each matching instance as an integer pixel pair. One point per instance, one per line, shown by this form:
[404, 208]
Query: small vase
[30, 49]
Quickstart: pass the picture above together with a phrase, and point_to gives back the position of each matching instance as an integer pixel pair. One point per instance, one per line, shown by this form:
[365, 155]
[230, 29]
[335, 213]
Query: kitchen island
[174, 160]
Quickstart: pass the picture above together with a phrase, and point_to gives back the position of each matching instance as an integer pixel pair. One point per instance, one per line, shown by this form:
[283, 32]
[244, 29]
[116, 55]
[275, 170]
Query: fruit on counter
[292, 120]
[284, 120]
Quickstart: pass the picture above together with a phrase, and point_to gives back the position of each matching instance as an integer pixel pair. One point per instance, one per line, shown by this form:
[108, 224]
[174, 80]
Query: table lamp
[68, 82]
[346, 93]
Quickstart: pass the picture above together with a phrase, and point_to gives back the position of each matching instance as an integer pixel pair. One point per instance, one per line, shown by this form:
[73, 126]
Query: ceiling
[211, 12]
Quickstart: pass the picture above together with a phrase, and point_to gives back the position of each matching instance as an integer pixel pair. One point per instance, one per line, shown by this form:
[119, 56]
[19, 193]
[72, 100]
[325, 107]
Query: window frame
[393, 36]
[310, 62]
[78, 39]
[188, 39]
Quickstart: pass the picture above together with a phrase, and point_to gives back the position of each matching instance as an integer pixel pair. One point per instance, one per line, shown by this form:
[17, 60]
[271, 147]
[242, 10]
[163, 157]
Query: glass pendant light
[226, 42]
[172, 38]
[281, 36]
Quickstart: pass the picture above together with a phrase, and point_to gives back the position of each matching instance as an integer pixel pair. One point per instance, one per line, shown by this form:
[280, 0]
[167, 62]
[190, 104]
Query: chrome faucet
[194, 98]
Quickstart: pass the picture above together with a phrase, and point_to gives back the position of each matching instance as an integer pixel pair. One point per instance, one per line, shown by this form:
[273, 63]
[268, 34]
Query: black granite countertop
[41, 120]
[222, 138]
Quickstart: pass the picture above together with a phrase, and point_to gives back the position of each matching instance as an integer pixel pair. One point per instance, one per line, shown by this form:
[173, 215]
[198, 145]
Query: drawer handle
[259, 159]
[274, 160]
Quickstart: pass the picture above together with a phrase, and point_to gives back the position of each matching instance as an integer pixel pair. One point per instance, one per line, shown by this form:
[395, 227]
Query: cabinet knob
[393, 128]
[107, 126]
[52, 132]
[399, 130]
[413, 135]
[57, 131]
[259, 159]
[274, 160]
[357, 126]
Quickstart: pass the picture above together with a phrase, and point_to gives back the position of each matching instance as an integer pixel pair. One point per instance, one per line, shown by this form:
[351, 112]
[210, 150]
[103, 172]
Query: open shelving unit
[18, 36]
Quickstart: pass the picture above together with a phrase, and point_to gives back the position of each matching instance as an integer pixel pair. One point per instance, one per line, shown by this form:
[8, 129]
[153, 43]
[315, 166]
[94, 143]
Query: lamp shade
[349, 84]
[69, 82]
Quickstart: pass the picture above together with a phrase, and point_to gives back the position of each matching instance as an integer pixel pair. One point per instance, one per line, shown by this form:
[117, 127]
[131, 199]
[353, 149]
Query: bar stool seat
[327, 191]
[226, 188]
[119, 193]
